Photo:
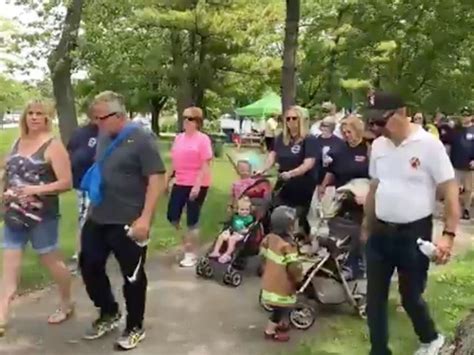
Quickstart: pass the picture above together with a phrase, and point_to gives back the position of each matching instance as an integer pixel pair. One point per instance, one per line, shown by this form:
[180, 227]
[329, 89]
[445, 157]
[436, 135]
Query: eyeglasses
[291, 118]
[190, 118]
[106, 116]
[382, 122]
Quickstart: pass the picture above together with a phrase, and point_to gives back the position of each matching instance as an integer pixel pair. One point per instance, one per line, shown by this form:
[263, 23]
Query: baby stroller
[324, 281]
[231, 273]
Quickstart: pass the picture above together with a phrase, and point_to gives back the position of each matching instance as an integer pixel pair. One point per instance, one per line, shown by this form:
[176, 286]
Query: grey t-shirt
[125, 177]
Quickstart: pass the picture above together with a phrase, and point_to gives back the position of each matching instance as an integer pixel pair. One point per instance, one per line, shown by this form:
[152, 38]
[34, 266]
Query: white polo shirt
[408, 176]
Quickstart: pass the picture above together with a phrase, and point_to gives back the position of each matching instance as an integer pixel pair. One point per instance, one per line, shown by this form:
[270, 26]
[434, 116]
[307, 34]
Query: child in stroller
[240, 223]
[258, 193]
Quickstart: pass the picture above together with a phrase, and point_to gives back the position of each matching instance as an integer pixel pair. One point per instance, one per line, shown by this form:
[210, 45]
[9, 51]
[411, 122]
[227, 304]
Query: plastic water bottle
[129, 231]
[427, 248]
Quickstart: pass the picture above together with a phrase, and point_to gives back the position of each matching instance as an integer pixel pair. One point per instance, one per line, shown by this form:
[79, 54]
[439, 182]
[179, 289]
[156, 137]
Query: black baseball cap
[380, 104]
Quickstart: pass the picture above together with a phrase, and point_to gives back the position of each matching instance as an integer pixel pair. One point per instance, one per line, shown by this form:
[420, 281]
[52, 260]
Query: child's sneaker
[277, 336]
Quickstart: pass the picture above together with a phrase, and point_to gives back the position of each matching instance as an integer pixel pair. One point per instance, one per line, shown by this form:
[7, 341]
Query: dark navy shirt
[350, 163]
[326, 146]
[291, 156]
[461, 141]
[81, 148]
[445, 132]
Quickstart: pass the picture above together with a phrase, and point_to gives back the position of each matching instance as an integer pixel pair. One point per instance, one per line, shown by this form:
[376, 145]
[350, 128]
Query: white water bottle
[129, 231]
[427, 248]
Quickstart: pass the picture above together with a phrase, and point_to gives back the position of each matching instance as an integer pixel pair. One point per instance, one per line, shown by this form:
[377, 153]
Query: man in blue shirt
[461, 152]
[82, 148]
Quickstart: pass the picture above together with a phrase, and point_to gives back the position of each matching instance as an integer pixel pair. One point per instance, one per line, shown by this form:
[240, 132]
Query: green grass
[449, 296]
[164, 236]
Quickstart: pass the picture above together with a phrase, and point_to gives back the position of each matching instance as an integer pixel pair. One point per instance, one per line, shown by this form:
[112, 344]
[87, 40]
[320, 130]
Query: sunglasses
[190, 118]
[382, 122]
[291, 118]
[102, 118]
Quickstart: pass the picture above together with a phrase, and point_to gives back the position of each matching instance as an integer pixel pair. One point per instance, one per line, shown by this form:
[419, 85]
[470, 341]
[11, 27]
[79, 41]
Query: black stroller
[231, 273]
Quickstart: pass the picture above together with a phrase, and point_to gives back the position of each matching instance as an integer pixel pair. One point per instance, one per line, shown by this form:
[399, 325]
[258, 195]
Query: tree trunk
[157, 104]
[463, 339]
[290, 47]
[60, 65]
[181, 76]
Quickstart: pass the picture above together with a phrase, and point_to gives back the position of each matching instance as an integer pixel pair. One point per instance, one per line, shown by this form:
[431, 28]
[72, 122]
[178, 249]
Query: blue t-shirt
[350, 163]
[461, 142]
[331, 146]
[82, 148]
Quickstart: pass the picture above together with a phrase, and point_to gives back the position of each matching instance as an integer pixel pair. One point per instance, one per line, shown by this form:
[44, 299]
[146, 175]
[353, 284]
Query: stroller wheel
[362, 307]
[199, 270]
[265, 306]
[236, 279]
[227, 278]
[203, 261]
[208, 272]
[302, 317]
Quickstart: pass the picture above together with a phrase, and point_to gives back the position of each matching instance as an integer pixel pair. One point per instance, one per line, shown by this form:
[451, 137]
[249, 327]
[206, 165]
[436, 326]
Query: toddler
[239, 227]
[282, 272]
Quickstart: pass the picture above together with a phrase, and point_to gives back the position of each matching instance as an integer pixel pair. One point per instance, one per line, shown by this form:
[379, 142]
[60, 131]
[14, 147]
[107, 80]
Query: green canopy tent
[269, 104]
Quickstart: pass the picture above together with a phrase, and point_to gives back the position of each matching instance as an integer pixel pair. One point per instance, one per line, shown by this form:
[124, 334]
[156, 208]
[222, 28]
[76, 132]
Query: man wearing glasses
[407, 166]
[133, 179]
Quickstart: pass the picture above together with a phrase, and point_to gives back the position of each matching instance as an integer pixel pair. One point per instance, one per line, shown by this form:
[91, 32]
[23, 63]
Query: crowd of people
[116, 168]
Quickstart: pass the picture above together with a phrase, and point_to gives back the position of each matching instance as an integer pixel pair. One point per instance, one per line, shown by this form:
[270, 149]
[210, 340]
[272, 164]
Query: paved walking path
[185, 316]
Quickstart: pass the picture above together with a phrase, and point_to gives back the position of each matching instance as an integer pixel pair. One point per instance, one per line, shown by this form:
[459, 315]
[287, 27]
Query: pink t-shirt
[188, 154]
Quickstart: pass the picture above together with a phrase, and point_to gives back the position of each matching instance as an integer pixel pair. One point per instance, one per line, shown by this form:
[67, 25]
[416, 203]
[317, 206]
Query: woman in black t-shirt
[352, 162]
[295, 152]
[349, 163]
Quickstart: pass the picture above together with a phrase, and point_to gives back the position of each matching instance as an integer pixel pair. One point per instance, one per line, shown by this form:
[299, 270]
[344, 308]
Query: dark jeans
[97, 242]
[393, 247]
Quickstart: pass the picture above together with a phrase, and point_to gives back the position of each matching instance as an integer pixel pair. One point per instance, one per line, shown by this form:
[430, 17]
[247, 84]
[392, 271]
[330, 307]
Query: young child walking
[282, 272]
[239, 227]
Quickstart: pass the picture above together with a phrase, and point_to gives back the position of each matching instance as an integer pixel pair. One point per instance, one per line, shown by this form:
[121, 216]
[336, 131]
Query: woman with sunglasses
[191, 155]
[295, 153]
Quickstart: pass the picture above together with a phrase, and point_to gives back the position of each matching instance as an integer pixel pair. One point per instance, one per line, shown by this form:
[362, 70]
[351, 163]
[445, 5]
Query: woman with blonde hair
[295, 151]
[37, 170]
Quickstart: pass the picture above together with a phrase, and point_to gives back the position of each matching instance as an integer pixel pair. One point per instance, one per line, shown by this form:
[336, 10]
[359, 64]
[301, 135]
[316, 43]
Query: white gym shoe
[189, 260]
[432, 348]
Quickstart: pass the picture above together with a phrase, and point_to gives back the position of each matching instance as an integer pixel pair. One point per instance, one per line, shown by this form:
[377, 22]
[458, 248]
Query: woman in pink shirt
[191, 155]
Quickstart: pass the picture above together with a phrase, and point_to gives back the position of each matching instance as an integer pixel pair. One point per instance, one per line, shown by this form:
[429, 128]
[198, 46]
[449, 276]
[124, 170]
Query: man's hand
[471, 164]
[194, 192]
[141, 229]
[444, 247]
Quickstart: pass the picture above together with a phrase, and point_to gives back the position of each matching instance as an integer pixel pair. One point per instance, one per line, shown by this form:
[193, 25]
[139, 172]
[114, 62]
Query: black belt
[405, 225]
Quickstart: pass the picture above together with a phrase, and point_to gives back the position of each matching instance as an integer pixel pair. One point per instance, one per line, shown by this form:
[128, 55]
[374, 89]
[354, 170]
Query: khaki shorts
[465, 179]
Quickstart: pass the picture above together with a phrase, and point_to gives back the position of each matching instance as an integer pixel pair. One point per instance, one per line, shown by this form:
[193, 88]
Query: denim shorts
[43, 237]
[179, 198]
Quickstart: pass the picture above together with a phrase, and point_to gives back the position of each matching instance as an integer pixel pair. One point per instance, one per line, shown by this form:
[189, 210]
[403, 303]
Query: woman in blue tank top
[36, 171]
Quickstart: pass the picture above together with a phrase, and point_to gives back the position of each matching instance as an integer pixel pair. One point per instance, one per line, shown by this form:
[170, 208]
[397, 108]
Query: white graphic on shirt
[469, 136]
[92, 142]
[327, 160]
[296, 149]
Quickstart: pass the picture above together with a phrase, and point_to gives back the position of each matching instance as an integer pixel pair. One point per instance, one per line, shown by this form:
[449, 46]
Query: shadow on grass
[449, 295]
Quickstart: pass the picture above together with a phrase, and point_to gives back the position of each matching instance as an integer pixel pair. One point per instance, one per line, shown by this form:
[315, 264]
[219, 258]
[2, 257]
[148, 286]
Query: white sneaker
[432, 348]
[189, 260]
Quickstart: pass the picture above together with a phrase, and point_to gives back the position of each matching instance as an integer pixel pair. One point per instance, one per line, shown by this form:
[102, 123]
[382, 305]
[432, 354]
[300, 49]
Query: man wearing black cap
[407, 166]
[461, 150]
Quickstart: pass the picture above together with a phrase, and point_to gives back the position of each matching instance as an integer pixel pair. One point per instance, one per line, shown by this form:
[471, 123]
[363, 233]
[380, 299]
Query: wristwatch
[449, 234]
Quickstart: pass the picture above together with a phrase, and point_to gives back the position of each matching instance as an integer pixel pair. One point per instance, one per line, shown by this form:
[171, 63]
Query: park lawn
[449, 294]
[163, 235]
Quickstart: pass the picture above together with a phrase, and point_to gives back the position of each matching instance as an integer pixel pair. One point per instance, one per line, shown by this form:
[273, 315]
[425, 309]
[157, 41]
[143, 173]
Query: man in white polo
[407, 165]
